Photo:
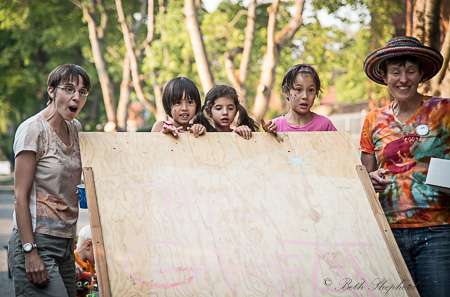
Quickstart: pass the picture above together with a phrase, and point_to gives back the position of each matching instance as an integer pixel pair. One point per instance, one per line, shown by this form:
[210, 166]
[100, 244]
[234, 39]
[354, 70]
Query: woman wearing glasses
[47, 172]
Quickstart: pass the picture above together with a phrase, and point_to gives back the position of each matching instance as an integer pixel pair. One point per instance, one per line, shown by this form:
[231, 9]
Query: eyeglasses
[71, 90]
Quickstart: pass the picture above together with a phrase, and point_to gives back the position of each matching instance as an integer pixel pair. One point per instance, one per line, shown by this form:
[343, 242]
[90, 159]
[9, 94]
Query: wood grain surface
[218, 215]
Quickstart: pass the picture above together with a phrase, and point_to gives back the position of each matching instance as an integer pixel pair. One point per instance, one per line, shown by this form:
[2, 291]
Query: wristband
[167, 124]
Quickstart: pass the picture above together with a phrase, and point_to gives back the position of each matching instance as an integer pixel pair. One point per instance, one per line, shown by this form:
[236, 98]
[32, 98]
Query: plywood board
[219, 215]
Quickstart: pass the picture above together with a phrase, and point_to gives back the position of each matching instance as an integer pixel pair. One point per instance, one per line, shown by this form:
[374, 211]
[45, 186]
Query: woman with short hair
[397, 143]
[47, 172]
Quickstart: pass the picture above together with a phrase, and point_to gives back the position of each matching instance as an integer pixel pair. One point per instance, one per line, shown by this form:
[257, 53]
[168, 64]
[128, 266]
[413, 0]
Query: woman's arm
[369, 161]
[25, 168]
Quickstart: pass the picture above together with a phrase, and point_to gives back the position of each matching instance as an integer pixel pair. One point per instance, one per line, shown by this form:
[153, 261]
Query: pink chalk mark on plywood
[188, 280]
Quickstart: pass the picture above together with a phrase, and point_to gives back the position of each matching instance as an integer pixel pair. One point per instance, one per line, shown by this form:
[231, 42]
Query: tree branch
[129, 44]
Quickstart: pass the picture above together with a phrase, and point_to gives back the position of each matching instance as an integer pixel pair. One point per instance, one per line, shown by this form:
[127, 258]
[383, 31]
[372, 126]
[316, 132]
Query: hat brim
[432, 60]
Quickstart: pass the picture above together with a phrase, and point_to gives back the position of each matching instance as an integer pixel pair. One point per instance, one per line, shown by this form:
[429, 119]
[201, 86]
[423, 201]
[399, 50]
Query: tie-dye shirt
[405, 149]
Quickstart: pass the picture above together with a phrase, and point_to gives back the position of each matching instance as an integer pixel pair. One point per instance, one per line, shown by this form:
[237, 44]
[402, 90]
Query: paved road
[6, 224]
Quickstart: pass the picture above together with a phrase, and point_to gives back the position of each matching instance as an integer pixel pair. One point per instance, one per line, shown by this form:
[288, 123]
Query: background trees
[132, 48]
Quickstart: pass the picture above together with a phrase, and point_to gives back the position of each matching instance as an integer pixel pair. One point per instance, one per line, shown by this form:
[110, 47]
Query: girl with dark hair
[181, 101]
[221, 106]
[300, 86]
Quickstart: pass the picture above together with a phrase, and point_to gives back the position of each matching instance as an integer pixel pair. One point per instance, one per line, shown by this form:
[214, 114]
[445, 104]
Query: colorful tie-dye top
[405, 149]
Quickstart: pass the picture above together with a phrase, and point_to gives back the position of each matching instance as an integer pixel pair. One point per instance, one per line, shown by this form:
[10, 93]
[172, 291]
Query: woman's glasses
[71, 90]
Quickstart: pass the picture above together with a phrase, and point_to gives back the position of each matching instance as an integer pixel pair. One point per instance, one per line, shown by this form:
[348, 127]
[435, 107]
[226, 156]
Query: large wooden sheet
[223, 216]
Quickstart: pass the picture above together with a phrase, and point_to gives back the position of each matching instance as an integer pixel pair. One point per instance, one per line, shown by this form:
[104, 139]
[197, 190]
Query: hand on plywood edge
[379, 181]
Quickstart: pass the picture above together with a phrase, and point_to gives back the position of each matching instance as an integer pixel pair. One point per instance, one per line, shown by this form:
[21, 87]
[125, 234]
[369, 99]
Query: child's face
[301, 96]
[183, 111]
[223, 113]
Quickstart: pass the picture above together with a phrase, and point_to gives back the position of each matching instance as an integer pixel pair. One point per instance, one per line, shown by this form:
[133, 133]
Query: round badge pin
[422, 129]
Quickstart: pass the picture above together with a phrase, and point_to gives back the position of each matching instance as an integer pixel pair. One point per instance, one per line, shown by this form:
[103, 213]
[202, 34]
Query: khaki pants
[58, 256]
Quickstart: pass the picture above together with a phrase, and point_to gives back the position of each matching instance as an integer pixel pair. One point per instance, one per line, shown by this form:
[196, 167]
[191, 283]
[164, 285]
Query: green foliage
[36, 36]
[338, 52]
[171, 52]
[353, 85]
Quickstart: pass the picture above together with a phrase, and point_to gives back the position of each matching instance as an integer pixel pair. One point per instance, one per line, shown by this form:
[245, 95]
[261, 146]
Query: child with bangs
[181, 101]
[300, 86]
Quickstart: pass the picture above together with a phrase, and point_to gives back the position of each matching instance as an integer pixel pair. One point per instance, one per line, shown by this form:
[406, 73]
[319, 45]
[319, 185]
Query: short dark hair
[65, 73]
[401, 61]
[174, 91]
[289, 78]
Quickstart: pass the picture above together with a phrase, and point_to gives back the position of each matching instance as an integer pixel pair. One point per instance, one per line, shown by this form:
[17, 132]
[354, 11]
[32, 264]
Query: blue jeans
[426, 252]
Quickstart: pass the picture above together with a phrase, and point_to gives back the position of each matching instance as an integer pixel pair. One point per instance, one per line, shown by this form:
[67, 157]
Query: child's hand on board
[244, 131]
[197, 129]
[269, 126]
[168, 127]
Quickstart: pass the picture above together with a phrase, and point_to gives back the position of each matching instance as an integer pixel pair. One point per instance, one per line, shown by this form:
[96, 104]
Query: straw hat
[401, 46]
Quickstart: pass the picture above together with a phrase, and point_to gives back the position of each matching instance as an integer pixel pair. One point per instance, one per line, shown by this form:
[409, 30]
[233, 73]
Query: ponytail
[245, 119]
[200, 118]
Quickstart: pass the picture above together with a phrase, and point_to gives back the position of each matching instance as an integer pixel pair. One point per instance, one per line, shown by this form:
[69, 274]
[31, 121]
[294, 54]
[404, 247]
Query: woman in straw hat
[397, 143]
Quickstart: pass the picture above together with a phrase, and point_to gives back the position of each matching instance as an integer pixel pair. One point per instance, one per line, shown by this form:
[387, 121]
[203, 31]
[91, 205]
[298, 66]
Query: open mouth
[184, 116]
[73, 109]
[304, 105]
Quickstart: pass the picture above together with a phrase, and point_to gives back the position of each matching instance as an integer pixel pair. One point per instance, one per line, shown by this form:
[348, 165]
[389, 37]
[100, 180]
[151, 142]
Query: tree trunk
[198, 46]
[239, 77]
[124, 95]
[431, 37]
[232, 72]
[99, 60]
[246, 55]
[419, 20]
[409, 17]
[129, 44]
[150, 28]
[158, 88]
[275, 43]
[444, 72]
[432, 23]
[161, 114]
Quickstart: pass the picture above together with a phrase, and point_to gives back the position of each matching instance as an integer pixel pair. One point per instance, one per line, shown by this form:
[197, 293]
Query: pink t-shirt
[318, 123]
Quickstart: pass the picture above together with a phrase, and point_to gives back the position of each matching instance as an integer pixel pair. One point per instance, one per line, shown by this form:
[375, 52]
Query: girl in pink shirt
[300, 86]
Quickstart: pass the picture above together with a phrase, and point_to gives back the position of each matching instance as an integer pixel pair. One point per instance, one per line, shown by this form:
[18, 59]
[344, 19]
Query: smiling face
[183, 111]
[68, 105]
[223, 113]
[301, 96]
[403, 80]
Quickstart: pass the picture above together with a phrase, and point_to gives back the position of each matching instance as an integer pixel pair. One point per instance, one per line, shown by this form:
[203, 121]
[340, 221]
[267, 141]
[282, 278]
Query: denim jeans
[426, 252]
